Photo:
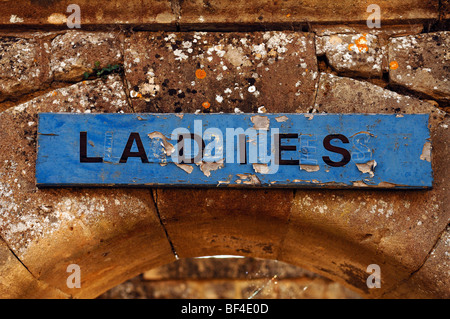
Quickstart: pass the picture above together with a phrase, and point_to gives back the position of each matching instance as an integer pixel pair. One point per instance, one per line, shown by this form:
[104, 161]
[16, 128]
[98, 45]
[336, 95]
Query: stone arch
[114, 234]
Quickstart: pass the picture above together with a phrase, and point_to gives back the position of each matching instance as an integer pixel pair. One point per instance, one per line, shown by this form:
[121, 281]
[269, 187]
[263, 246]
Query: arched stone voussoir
[339, 233]
[111, 234]
[114, 234]
[247, 222]
[17, 282]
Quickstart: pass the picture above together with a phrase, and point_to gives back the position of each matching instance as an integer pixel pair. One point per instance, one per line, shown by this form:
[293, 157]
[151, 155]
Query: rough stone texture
[170, 72]
[353, 54]
[445, 11]
[228, 277]
[235, 222]
[112, 234]
[216, 14]
[342, 232]
[384, 32]
[423, 64]
[345, 95]
[24, 65]
[433, 278]
[226, 267]
[75, 53]
[17, 282]
[101, 95]
[153, 13]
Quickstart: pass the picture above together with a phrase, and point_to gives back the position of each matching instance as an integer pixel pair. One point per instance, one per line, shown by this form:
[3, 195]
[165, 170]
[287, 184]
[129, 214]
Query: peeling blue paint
[364, 150]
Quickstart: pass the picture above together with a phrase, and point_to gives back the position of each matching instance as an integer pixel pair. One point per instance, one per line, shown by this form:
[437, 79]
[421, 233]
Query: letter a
[74, 280]
[74, 20]
[374, 20]
[374, 280]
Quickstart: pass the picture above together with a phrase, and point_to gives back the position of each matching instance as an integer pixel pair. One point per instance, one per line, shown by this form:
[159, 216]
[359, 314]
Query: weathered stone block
[345, 95]
[152, 13]
[342, 232]
[111, 234]
[17, 282]
[421, 63]
[432, 280]
[75, 53]
[24, 65]
[216, 14]
[221, 72]
[353, 54]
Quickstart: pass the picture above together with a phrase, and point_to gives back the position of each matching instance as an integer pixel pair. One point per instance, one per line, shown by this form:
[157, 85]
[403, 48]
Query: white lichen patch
[15, 19]
[357, 53]
[21, 67]
[75, 53]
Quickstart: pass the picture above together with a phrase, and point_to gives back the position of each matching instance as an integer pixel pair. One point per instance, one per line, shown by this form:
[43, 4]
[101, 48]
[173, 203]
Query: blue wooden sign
[240, 150]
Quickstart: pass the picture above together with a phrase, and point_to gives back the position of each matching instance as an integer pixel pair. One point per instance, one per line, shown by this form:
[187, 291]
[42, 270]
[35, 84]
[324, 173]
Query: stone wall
[230, 278]
[203, 56]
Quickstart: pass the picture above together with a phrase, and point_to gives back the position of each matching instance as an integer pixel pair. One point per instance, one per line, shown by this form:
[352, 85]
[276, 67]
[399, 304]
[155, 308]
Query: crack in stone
[154, 195]
[122, 75]
[14, 254]
[393, 288]
[447, 227]
[175, 6]
[32, 275]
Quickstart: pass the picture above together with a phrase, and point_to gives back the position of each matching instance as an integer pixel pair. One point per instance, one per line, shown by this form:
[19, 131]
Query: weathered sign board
[241, 150]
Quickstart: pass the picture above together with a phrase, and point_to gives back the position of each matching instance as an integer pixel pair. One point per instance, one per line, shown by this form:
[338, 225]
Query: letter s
[345, 154]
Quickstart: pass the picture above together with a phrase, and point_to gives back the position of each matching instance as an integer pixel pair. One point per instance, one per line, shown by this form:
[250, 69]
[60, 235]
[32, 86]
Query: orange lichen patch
[360, 43]
[363, 48]
[139, 95]
[361, 40]
[288, 15]
[54, 93]
[393, 65]
[200, 74]
[206, 105]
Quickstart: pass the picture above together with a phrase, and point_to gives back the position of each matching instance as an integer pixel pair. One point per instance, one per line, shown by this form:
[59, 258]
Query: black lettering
[83, 151]
[198, 139]
[128, 153]
[345, 154]
[279, 148]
